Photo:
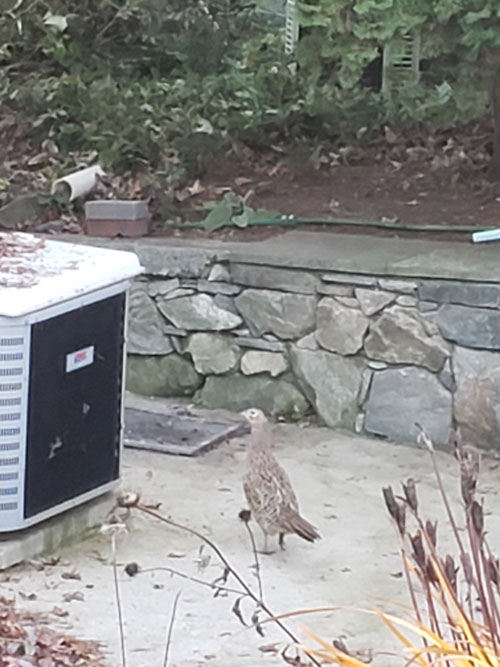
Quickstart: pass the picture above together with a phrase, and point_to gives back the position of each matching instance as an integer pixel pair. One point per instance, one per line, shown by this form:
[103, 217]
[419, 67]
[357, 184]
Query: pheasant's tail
[296, 524]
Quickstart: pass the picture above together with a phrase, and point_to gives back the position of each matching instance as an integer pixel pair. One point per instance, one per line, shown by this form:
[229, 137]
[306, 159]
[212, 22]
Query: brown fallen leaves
[25, 641]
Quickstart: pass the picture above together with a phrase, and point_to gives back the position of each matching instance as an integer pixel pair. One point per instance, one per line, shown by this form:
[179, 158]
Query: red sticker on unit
[79, 359]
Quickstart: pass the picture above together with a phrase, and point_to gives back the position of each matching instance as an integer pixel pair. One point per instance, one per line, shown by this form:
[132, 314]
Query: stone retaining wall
[367, 353]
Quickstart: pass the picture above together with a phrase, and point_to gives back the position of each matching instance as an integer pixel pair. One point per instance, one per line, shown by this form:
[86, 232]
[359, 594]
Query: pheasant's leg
[266, 551]
[282, 541]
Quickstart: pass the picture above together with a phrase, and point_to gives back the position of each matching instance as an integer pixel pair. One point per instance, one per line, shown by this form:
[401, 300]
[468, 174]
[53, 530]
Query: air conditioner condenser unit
[63, 310]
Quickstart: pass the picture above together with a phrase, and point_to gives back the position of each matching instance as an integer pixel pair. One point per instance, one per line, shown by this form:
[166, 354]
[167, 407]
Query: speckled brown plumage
[268, 490]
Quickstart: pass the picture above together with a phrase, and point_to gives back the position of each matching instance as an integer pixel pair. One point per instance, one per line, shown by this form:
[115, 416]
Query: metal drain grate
[176, 433]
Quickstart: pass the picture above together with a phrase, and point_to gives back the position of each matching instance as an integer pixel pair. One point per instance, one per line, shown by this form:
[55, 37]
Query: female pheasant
[268, 490]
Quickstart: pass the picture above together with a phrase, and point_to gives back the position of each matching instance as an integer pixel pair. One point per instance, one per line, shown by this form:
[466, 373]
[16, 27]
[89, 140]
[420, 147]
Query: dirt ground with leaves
[356, 564]
[408, 192]
[421, 178]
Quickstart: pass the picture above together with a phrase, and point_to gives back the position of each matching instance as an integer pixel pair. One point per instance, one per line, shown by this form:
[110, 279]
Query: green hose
[291, 221]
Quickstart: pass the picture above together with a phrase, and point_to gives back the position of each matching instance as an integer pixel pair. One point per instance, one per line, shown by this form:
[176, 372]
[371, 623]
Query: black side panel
[74, 417]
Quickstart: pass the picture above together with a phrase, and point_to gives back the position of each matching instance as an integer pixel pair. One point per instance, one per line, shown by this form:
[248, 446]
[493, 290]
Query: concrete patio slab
[338, 480]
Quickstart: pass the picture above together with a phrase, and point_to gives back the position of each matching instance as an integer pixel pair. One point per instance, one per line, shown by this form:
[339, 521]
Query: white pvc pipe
[487, 235]
[79, 182]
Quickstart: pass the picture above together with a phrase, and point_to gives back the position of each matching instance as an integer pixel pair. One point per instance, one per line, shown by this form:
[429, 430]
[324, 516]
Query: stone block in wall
[350, 279]
[163, 287]
[332, 289]
[261, 361]
[407, 301]
[477, 397]
[219, 273]
[285, 315]
[288, 280]
[174, 331]
[167, 376]
[226, 303]
[366, 381]
[340, 328]
[331, 383]
[146, 327]
[447, 376]
[373, 301]
[401, 286]
[470, 327]
[260, 344]
[174, 261]
[349, 301]
[399, 397]
[464, 293]
[359, 423]
[427, 306]
[197, 312]
[177, 293]
[216, 287]
[402, 336]
[237, 392]
[212, 353]
[308, 342]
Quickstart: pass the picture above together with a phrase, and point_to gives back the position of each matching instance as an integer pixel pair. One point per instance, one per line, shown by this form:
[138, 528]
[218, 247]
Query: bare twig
[171, 628]
[114, 529]
[425, 439]
[209, 584]
[245, 517]
[133, 501]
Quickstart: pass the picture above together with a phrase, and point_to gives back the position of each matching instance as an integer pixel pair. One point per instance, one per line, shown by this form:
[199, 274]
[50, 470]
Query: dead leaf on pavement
[57, 611]
[27, 596]
[76, 595]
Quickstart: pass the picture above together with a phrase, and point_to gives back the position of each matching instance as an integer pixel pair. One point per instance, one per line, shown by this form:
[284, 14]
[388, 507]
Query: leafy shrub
[141, 80]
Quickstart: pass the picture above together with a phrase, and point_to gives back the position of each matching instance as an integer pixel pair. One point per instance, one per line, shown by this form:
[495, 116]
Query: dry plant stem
[171, 628]
[433, 616]
[257, 564]
[490, 584]
[475, 542]
[229, 567]
[411, 589]
[435, 557]
[118, 602]
[492, 559]
[438, 566]
[445, 501]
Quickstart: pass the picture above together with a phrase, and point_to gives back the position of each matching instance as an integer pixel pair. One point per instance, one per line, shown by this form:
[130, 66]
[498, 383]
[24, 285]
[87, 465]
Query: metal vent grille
[8, 476]
[401, 61]
[11, 356]
[291, 28]
[10, 417]
[4, 402]
[11, 386]
[12, 359]
[10, 342]
[9, 446]
[10, 431]
[14, 461]
[5, 372]
[6, 507]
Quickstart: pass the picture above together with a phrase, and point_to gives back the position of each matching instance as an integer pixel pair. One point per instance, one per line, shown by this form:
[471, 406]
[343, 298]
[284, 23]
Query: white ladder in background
[291, 27]
[401, 61]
